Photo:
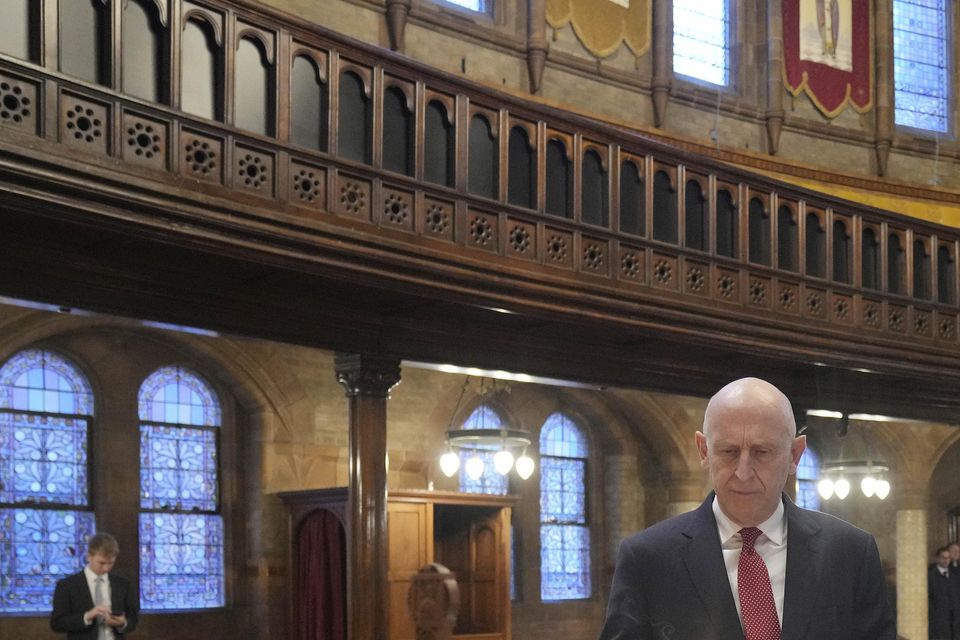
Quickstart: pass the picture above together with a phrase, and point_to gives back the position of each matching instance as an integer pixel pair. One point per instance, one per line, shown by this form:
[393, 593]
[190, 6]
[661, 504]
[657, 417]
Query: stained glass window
[564, 534]
[45, 516]
[701, 40]
[920, 64]
[472, 5]
[483, 417]
[808, 474]
[181, 529]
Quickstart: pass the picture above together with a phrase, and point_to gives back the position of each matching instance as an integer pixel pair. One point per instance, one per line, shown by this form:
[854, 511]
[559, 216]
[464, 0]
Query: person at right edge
[748, 564]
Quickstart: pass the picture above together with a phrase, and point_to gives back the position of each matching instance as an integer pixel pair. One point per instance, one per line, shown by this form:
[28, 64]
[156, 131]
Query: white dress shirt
[104, 590]
[771, 545]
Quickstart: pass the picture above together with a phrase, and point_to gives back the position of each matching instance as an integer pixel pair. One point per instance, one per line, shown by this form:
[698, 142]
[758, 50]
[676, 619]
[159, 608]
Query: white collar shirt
[771, 545]
[106, 594]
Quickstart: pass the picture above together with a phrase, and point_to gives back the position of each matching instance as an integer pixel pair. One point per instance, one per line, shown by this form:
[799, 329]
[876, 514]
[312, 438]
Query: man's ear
[797, 448]
[701, 441]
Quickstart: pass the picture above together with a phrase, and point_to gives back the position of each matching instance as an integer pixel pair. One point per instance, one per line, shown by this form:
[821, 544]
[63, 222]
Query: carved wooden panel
[352, 196]
[695, 277]
[788, 298]
[594, 256]
[482, 231]
[308, 185]
[759, 291]
[144, 140]
[726, 285]
[254, 171]
[664, 271]
[558, 248]
[438, 219]
[815, 303]
[201, 156]
[521, 240]
[18, 103]
[84, 123]
[397, 211]
[632, 264]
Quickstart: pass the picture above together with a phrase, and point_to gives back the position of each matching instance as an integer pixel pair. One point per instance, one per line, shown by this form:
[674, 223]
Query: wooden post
[367, 380]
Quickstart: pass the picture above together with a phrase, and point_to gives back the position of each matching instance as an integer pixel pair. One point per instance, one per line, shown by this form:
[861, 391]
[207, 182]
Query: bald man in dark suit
[748, 564]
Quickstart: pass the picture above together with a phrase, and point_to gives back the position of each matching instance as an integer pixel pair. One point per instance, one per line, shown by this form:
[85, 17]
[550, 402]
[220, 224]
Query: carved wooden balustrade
[229, 120]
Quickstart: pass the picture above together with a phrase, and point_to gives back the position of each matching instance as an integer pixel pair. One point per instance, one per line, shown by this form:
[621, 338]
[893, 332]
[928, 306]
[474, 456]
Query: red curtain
[322, 578]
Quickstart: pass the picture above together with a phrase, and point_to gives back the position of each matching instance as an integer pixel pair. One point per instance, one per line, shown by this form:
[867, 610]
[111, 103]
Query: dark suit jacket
[670, 582]
[942, 604]
[72, 599]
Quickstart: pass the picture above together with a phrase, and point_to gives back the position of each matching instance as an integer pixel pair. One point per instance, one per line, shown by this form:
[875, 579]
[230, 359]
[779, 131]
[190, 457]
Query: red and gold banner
[826, 52]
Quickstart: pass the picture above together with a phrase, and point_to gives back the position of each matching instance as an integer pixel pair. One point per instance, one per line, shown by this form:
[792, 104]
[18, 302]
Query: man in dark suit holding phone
[94, 604]
[748, 564]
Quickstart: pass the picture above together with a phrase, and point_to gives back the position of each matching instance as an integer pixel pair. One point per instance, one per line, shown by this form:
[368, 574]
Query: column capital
[366, 375]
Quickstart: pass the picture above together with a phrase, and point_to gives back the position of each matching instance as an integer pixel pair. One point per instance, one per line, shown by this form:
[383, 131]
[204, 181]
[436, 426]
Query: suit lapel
[704, 561]
[82, 589]
[805, 558]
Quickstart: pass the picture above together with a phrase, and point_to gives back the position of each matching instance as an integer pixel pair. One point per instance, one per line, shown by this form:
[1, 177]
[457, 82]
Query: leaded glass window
[808, 474]
[483, 417]
[701, 40]
[564, 531]
[45, 514]
[920, 64]
[181, 528]
[473, 5]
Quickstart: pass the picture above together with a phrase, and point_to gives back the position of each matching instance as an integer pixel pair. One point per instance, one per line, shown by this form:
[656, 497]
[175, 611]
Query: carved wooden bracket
[434, 602]
[397, 11]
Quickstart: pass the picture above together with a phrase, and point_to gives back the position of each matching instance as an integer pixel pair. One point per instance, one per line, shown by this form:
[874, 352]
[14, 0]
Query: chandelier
[510, 446]
[840, 475]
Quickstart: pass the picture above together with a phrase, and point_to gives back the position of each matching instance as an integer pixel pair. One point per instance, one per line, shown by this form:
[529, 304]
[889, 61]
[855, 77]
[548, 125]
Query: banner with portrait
[602, 26]
[826, 53]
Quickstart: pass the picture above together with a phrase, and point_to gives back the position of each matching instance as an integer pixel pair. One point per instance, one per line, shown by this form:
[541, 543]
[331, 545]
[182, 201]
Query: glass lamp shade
[868, 486]
[474, 467]
[882, 489]
[842, 488]
[503, 462]
[449, 463]
[525, 466]
[825, 488]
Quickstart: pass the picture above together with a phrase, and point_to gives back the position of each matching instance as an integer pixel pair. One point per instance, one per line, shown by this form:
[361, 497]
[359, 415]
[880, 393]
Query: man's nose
[744, 466]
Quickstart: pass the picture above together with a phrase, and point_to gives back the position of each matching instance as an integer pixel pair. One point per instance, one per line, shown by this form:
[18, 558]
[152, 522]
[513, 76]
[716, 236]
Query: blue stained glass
[178, 468]
[560, 436]
[37, 548]
[491, 482]
[177, 396]
[808, 473]
[473, 5]
[181, 561]
[564, 536]
[43, 459]
[564, 562]
[701, 40]
[920, 64]
[562, 498]
[39, 380]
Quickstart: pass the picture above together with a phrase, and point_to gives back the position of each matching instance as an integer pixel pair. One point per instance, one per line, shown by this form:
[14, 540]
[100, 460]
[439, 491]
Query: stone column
[685, 493]
[537, 46]
[662, 59]
[883, 30]
[367, 380]
[774, 75]
[911, 564]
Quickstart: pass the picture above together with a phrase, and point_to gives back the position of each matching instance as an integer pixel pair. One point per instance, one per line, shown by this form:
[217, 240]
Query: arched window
[355, 122]
[559, 180]
[398, 139]
[483, 417]
[253, 83]
[921, 64]
[564, 531]
[483, 165]
[84, 37]
[701, 40]
[201, 79]
[308, 104]
[759, 228]
[143, 54]
[808, 474]
[18, 29]
[438, 145]
[594, 199]
[664, 208]
[522, 175]
[181, 527]
[46, 516]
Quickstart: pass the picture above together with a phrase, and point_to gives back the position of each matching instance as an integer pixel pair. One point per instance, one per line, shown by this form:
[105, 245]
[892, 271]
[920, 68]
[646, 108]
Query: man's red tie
[757, 607]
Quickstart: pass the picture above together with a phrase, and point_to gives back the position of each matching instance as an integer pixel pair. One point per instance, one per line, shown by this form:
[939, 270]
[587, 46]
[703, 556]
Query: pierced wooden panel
[695, 275]
[946, 327]
[558, 248]
[84, 124]
[201, 156]
[594, 256]
[815, 303]
[897, 318]
[397, 210]
[18, 103]
[144, 141]
[632, 264]
[664, 272]
[759, 292]
[788, 298]
[521, 240]
[438, 219]
[841, 309]
[922, 323]
[308, 185]
[353, 197]
[482, 232]
[871, 313]
[726, 285]
[254, 171]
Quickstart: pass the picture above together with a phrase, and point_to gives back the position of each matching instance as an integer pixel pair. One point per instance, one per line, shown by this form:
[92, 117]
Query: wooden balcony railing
[231, 107]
